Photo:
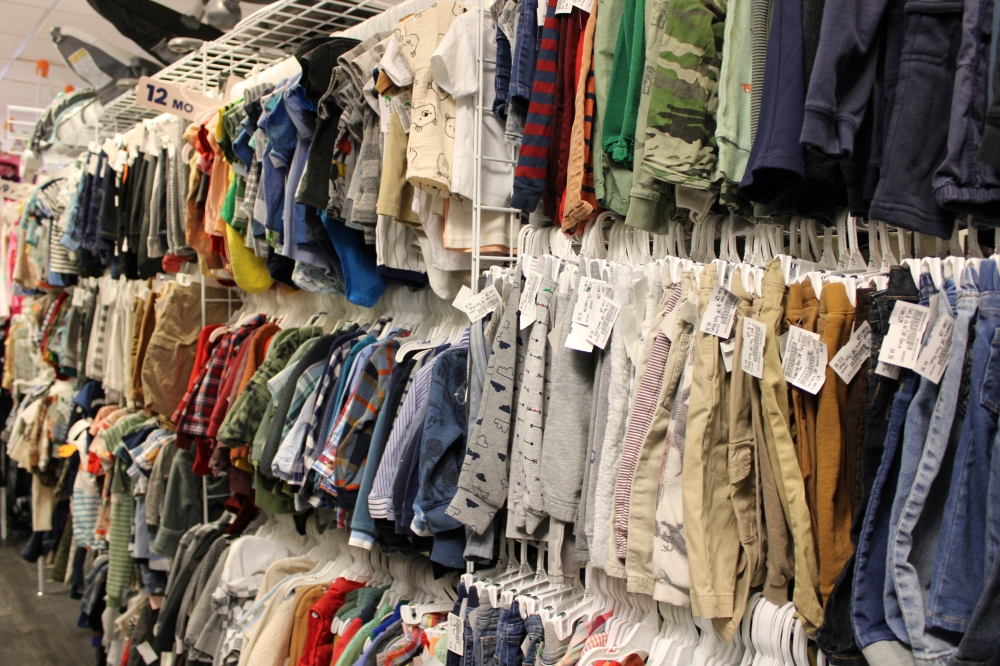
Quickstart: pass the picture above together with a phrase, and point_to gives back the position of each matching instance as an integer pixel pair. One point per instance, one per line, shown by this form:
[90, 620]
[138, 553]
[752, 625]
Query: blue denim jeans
[510, 634]
[982, 639]
[888, 401]
[534, 630]
[468, 658]
[525, 53]
[911, 558]
[868, 609]
[918, 417]
[960, 568]
[484, 633]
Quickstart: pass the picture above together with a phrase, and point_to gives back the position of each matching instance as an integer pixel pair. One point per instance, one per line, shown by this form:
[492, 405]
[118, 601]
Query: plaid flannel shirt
[288, 459]
[195, 411]
[339, 459]
[331, 377]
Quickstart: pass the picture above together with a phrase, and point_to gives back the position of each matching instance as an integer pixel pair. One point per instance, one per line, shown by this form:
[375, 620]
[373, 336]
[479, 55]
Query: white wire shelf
[270, 34]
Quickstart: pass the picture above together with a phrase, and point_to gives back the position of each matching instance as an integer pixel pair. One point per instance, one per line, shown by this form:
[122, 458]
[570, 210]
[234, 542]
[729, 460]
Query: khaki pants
[710, 526]
[743, 475]
[802, 310]
[781, 451]
[779, 559]
[833, 490]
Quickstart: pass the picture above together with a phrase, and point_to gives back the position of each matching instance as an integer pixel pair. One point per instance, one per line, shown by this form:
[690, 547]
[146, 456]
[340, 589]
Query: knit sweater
[533, 159]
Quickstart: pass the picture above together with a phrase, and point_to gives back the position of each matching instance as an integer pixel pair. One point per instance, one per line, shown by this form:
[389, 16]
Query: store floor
[37, 631]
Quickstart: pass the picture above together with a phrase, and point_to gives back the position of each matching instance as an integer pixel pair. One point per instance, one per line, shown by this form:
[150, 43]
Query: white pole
[40, 564]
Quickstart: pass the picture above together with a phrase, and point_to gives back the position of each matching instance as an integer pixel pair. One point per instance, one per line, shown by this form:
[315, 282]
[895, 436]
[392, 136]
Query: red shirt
[319, 639]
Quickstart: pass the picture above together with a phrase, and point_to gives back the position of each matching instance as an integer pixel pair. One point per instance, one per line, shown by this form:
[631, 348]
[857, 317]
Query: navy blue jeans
[510, 634]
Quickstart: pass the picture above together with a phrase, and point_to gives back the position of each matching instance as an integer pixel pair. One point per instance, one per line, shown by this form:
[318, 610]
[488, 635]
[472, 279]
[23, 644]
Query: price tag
[752, 355]
[886, 370]
[586, 302]
[809, 358]
[585, 5]
[853, 355]
[384, 113]
[728, 349]
[170, 98]
[577, 339]
[901, 345]
[79, 298]
[792, 366]
[479, 305]
[540, 12]
[147, 652]
[933, 358]
[456, 635]
[402, 102]
[564, 6]
[508, 21]
[720, 313]
[600, 328]
[527, 306]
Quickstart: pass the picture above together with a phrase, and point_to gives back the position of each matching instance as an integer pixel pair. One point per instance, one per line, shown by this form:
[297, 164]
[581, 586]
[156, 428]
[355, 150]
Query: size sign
[169, 98]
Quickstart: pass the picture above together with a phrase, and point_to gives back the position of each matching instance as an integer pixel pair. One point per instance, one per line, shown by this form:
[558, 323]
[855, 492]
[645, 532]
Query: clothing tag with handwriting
[402, 103]
[527, 306]
[456, 638]
[853, 355]
[887, 370]
[805, 360]
[508, 21]
[752, 356]
[603, 321]
[720, 313]
[933, 358]
[479, 305]
[586, 302]
[901, 345]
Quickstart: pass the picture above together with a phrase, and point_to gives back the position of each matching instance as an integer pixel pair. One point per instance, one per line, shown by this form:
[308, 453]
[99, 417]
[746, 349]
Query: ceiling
[22, 86]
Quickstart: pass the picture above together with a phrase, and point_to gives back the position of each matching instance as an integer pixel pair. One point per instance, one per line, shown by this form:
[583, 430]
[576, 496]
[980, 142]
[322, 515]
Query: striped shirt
[380, 499]
[647, 398]
[533, 159]
[339, 459]
[331, 377]
[288, 464]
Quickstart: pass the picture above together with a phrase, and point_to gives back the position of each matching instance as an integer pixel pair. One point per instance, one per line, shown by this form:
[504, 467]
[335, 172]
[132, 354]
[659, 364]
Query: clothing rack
[269, 35]
[228, 300]
[513, 214]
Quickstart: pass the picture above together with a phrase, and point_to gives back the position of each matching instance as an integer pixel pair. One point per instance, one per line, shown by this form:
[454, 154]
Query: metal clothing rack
[267, 36]
[512, 214]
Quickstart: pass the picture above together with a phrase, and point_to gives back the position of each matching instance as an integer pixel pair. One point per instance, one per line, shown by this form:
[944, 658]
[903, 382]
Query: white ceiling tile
[20, 19]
